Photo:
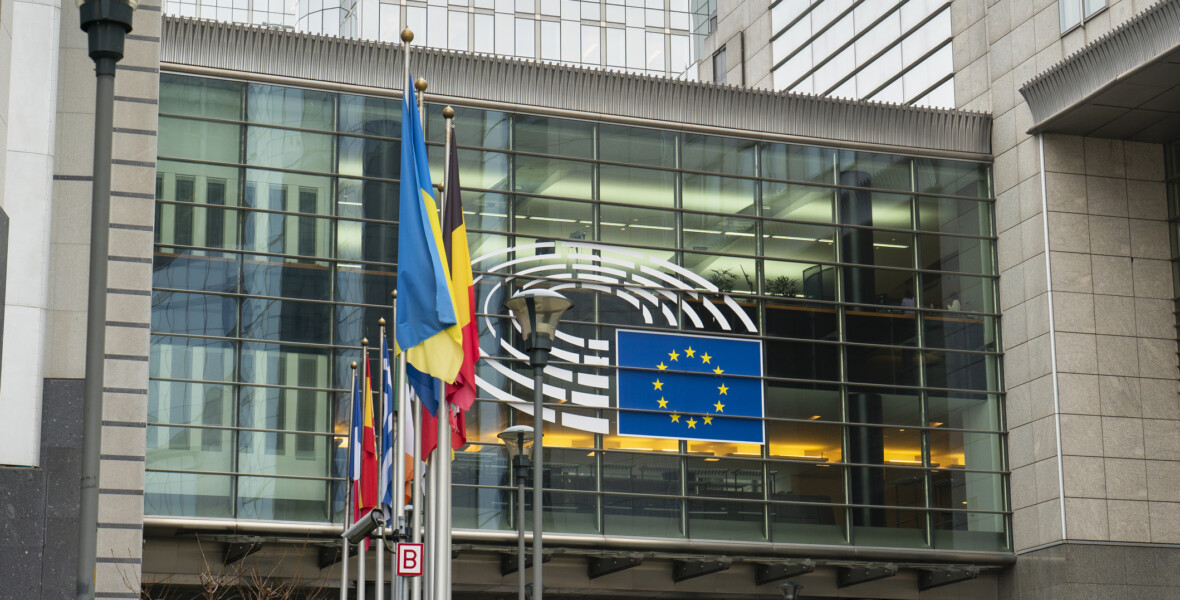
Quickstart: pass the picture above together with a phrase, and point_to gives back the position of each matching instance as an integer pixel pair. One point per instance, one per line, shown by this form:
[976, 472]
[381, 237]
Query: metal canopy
[1124, 85]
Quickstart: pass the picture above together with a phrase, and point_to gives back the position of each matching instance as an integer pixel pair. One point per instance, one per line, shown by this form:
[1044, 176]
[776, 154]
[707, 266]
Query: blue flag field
[698, 387]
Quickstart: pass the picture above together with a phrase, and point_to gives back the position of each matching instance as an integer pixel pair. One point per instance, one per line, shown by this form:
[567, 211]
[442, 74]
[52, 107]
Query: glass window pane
[287, 278]
[965, 255]
[798, 202]
[729, 235]
[554, 177]
[627, 225]
[964, 411]
[194, 314]
[282, 499]
[811, 442]
[290, 107]
[191, 358]
[798, 163]
[962, 370]
[200, 140]
[880, 171]
[719, 194]
[726, 520]
[639, 146]
[557, 137]
[970, 531]
[960, 449]
[869, 325]
[946, 215]
[883, 365]
[212, 271]
[952, 177]
[201, 97]
[960, 332]
[370, 116]
[187, 495]
[719, 155]
[286, 149]
[959, 292]
[643, 516]
[647, 187]
[542, 217]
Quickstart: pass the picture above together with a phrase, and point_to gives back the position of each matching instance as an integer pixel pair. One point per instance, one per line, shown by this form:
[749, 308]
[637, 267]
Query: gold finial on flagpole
[448, 113]
[407, 35]
[365, 342]
[381, 321]
[354, 365]
[420, 85]
[393, 294]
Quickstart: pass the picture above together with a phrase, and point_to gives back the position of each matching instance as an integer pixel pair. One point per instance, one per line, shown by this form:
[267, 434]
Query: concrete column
[28, 200]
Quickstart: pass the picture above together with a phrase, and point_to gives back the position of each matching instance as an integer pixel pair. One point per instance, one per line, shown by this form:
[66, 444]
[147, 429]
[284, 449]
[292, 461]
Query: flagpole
[380, 440]
[398, 451]
[344, 558]
[362, 550]
[442, 500]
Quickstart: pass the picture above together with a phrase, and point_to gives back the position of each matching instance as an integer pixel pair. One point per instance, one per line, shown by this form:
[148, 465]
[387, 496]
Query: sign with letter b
[409, 560]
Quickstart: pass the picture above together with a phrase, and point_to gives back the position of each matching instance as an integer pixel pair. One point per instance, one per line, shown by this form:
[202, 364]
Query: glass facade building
[881, 50]
[653, 37]
[869, 279]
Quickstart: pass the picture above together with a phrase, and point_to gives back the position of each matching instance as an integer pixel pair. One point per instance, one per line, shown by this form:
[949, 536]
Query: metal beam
[509, 562]
[236, 551]
[330, 555]
[932, 578]
[770, 573]
[688, 569]
[856, 575]
[597, 567]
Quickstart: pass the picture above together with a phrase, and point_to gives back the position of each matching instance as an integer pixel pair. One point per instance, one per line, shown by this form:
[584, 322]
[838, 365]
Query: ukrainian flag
[427, 327]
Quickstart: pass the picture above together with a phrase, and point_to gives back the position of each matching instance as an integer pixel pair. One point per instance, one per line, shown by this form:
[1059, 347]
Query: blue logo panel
[689, 387]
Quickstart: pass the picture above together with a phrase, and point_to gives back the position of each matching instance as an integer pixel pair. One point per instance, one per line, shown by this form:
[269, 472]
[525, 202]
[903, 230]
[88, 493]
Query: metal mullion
[215, 163]
[235, 474]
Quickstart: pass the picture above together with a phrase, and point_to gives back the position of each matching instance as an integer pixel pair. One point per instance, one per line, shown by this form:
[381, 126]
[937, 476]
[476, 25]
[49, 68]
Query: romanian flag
[427, 327]
[461, 393]
[366, 486]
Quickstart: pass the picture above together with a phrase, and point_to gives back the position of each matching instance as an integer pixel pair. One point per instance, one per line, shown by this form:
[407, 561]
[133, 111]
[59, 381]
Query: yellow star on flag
[708, 419]
[689, 352]
[661, 366]
[724, 390]
[675, 418]
[659, 385]
[719, 406]
[663, 403]
[672, 356]
[705, 357]
[692, 423]
[718, 370]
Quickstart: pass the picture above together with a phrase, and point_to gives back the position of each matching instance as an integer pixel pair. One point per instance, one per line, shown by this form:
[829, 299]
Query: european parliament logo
[689, 387]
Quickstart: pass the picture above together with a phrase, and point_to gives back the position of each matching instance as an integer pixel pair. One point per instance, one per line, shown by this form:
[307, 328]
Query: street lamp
[515, 439]
[537, 312]
[106, 23]
[790, 590]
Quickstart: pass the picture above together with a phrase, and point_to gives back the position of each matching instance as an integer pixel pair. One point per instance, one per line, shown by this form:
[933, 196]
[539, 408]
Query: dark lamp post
[790, 590]
[106, 23]
[538, 312]
[517, 439]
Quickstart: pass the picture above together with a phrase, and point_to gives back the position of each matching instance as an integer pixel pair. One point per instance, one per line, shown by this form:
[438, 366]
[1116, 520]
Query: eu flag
[690, 387]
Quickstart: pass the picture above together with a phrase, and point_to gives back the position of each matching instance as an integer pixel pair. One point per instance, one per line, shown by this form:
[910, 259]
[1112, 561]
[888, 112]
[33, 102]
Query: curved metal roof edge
[260, 50]
[1089, 70]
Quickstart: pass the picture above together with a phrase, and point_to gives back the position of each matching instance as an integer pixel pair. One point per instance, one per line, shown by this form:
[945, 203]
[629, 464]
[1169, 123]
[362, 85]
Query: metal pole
[538, 476]
[382, 406]
[106, 25]
[362, 554]
[399, 442]
[443, 500]
[345, 558]
[416, 496]
[520, 550]
[430, 566]
[416, 499]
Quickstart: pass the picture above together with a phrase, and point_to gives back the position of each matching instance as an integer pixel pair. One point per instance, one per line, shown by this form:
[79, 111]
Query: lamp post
[106, 23]
[790, 590]
[515, 439]
[537, 312]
